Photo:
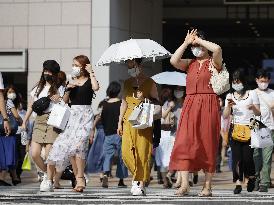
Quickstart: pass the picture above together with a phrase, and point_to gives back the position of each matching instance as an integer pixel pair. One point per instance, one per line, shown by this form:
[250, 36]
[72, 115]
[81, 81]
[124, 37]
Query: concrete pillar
[114, 21]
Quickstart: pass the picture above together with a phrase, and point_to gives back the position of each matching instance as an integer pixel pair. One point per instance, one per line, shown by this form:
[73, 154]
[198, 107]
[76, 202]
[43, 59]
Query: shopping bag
[133, 118]
[59, 116]
[26, 166]
[145, 119]
[261, 138]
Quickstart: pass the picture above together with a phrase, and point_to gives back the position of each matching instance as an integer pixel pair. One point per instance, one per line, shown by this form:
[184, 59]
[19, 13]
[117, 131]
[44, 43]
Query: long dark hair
[62, 78]
[54, 68]
[42, 82]
[17, 100]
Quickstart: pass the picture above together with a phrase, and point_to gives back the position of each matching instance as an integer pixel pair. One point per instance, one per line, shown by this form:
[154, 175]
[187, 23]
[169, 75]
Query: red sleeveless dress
[198, 133]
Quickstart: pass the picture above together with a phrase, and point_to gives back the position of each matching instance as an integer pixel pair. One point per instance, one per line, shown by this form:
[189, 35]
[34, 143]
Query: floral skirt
[74, 140]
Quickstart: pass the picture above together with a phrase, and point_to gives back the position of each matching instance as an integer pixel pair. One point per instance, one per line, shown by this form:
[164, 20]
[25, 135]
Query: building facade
[62, 29]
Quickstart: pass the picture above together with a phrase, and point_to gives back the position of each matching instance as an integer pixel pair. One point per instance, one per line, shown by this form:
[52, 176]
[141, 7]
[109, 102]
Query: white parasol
[170, 78]
[133, 48]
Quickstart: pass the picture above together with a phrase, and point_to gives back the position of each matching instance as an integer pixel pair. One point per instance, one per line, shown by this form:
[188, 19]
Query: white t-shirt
[241, 113]
[45, 93]
[1, 82]
[266, 99]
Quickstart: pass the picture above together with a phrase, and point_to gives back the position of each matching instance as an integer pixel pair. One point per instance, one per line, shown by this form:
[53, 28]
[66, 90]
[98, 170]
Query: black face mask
[48, 77]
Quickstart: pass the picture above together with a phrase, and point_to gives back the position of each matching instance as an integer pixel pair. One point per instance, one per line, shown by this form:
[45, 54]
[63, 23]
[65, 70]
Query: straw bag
[219, 81]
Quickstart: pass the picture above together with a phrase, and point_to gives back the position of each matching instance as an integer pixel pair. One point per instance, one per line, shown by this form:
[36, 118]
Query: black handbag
[40, 105]
[67, 173]
[13, 125]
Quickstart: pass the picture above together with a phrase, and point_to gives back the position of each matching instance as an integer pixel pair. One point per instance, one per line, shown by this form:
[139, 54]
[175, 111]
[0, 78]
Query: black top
[82, 95]
[110, 117]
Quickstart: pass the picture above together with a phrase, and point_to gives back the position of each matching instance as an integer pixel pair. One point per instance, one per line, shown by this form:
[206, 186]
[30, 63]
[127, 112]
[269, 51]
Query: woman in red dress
[198, 132]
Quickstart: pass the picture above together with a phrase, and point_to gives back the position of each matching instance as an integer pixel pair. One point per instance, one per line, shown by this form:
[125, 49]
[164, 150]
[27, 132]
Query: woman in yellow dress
[136, 143]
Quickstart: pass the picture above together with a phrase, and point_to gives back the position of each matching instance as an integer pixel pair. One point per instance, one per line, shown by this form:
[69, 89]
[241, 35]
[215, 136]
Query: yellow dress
[136, 143]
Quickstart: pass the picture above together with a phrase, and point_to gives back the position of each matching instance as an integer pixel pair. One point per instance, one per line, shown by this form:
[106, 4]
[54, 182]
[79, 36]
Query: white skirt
[74, 140]
[163, 151]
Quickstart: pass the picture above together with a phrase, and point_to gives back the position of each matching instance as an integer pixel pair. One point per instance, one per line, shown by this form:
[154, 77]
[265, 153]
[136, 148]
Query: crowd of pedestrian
[195, 131]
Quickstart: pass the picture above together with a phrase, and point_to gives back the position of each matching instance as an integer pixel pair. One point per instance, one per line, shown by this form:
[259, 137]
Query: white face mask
[179, 93]
[263, 86]
[197, 51]
[237, 87]
[76, 71]
[11, 96]
[134, 72]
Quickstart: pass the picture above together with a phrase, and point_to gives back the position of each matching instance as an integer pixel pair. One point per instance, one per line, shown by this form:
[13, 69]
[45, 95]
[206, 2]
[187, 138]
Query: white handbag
[261, 138]
[59, 116]
[219, 81]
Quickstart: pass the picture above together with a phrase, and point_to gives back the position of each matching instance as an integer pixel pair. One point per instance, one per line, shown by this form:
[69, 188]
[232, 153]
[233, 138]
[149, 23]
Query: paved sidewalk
[28, 193]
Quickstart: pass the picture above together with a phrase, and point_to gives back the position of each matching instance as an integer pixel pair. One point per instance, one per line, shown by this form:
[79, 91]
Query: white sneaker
[43, 178]
[46, 186]
[139, 191]
[134, 186]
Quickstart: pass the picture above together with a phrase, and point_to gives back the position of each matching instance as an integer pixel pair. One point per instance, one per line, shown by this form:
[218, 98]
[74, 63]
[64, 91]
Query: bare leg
[74, 166]
[57, 178]
[80, 166]
[47, 150]
[179, 180]
[223, 154]
[207, 185]
[50, 172]
[80, 163]
[36, 156]
[184, 189]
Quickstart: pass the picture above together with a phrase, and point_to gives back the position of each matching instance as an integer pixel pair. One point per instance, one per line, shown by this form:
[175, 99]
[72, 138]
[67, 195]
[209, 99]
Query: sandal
[177, 185]
[182, 191]
[202, 194]
[81, 185]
